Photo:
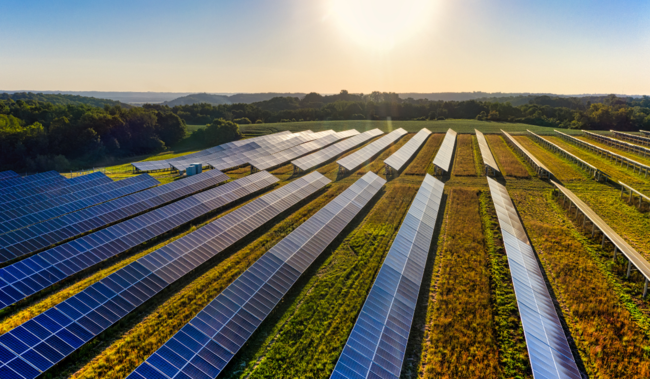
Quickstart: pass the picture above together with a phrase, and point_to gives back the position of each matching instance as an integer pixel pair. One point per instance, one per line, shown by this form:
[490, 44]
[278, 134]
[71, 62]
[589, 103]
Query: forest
[42, 132]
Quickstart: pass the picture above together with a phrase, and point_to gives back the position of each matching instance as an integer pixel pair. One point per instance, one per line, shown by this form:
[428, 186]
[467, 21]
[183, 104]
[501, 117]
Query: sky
[217, 46]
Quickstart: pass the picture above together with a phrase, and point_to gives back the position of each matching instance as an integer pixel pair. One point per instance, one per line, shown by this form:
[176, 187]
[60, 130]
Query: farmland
[466, 322]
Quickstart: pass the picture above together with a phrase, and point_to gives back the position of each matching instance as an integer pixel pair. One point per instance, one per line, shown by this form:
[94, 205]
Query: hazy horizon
[418, 46]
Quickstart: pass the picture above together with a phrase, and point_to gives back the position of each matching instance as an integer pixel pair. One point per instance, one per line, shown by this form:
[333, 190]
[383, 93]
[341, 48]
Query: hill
[199, 98]
[61, 99]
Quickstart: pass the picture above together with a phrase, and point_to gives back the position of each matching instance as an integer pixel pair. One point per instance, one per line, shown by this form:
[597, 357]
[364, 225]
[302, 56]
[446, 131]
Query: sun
[381, 24]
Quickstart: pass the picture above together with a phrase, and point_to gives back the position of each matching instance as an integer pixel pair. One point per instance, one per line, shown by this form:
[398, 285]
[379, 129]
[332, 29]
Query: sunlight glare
[381, 24]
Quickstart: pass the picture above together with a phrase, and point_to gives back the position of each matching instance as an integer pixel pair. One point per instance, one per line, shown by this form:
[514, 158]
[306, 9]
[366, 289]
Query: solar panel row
[539, 167]
[4, 175]
[442, 161]
[491, 167]
[595, 172]
[377, 343]
[27, 182]
[642, 140]
[397, 161]
[27, 193]
[644, 151]
[315, 159]
[35, 346]
[269, 161]
[642, 168]
[165, 164]
[356, 159]
[645, 132]
[203, 347]
[548, 350]
[23, 199]
[45, 234]
[31, 275]
[46, 210]
[249, 156]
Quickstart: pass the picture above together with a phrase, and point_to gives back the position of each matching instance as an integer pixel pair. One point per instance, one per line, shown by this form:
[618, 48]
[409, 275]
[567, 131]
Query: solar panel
[62, 329]
[315, 159]
[548, 350]
[595, 172]
[397, 161]
[26, 192]
[48, 233]
[19, 218]
[491, 167]
[213, 337]
[352, 161]
[165, 164]
[442, 160]
[274, 160]
[4, 175]
[377, 343]
[35, 273]
[645, 132]
[539, 167]
[25, 182]
[645, 169]
[644, 151]
[630, 137]
[21, 198]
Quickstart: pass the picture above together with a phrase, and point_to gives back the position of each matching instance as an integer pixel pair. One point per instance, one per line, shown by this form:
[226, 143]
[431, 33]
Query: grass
[610, 343]
[629, 154]
[562, 170]
[509, 163]
[461, 341]
[422, 161]
[441, 126]
[305, 335]
[464, 164]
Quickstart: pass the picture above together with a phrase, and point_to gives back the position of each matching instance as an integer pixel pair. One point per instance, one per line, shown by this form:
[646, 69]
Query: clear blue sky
[570, 47]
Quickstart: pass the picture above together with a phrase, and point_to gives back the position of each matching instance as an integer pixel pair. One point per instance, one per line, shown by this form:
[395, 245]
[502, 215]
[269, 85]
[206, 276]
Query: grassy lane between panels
[423, 160]
[464, 157]
[508, 161]
[304, 336]
[614, 170]
[563, 170]
[626, 153]
[461, 341]
[478, 158]
[599, 315]
[138, 335]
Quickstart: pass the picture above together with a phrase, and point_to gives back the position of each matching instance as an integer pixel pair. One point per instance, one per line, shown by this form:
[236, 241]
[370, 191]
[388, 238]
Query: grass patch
[562, 170]
[464, 164]
[645, 159]
[423, 160]
[508, 162]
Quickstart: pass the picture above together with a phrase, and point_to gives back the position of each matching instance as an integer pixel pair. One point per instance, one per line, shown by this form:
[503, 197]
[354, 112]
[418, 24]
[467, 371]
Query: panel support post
[645, 287]
[615, 250]
[629, 268]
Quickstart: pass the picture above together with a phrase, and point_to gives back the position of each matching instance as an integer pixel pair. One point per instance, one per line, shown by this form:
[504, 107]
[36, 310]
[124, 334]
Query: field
[466, 322]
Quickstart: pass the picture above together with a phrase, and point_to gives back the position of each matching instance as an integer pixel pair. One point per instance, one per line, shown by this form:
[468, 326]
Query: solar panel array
[363, 155]
[38, 344]
[20, 199]
[25, 193]
[595, 172]
[539, 167]
[377, 343]
[548, 350]
[4, 175]
[165, 164]
[632, 137]
[312, 160]
[618, 143]
[45, 234]
[442, 160]
[269, 161]
[646, 132]
[642, 168]
[31, 181]
[45, 210]
[249, 156]
[401, 156]
[203, 347]
[31, 275]
[488, 159]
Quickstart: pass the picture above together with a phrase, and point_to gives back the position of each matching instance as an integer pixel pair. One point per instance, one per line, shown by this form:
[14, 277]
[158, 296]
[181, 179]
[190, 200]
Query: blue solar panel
[21, 183]
[38, 212]
[5, 175]
[548, 350]
[45, 234]
[204, 346]
[377, 344]
[28, 276]
[91, 311]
